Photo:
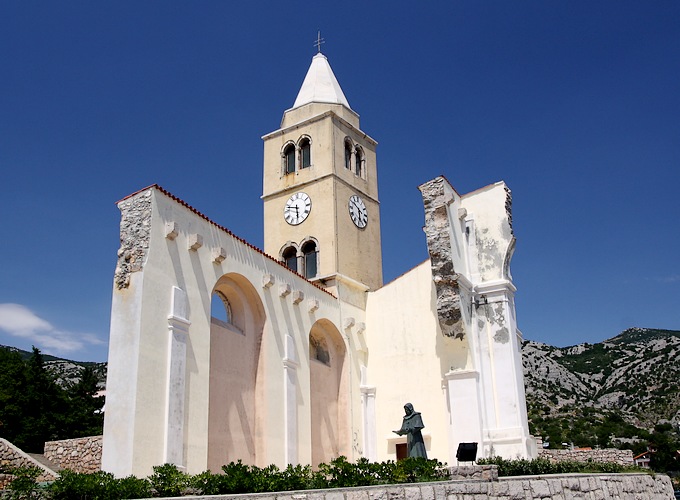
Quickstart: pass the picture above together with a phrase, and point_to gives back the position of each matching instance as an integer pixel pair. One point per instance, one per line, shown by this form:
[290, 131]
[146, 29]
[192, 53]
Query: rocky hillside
[65, 371]
[633, 376]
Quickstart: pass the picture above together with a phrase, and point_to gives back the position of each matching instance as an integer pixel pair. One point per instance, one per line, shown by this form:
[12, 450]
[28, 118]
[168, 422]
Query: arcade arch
[329, 379]
[233, 414]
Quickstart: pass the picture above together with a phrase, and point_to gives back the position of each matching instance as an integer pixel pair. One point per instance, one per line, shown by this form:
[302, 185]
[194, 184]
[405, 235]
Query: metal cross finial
[319, 41]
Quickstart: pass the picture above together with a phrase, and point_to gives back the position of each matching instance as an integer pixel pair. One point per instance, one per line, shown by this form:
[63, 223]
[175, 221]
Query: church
[299, 353]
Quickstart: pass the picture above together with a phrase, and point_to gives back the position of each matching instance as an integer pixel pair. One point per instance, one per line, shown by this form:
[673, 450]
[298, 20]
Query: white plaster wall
[491, 230]
[408, 358]
[495, 345]
[134, 435]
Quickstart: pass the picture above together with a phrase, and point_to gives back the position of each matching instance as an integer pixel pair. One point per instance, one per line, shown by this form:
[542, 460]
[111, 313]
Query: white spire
[320, 85]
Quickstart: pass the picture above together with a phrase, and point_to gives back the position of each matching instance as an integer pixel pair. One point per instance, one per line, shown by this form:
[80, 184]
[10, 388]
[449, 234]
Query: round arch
[329, 393]
[235, 351]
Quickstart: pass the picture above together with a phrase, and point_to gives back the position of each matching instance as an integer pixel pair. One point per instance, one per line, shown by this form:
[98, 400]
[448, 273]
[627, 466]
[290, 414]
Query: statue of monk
[411, 426]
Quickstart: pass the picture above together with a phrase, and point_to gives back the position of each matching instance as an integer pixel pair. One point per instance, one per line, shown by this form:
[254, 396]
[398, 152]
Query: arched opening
[310, 255]
[289, 257]
[235, 339]
[359, 162]
[348, 154]
[220, 309]
[329, 394]
[305, 152]
[289, 159]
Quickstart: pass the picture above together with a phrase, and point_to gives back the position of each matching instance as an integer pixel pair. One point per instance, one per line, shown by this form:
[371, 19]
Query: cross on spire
[319, 41]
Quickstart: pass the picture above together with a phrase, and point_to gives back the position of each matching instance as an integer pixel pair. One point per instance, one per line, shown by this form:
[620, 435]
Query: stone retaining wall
[621, 457]
[5, 479]
[11, 457]
[555, 486]
[79, 455]
[476, 472]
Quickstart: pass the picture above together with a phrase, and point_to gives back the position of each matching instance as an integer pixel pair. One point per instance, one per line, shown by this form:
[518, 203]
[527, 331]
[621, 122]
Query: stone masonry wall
[11, 457]
[79, 455]
[621, 457]
[558, 486]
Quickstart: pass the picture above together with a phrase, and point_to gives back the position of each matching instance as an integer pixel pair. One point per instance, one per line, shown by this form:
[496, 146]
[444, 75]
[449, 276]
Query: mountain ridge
[630, 378]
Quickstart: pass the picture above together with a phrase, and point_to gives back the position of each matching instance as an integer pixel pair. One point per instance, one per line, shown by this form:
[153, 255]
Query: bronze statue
[411, 426]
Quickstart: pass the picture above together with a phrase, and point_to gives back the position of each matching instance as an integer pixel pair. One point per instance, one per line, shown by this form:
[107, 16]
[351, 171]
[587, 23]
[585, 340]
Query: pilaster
[290, 366]
[178, 326]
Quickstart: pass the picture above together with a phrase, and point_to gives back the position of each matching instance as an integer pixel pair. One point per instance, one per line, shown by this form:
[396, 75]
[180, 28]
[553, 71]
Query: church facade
[299, 353]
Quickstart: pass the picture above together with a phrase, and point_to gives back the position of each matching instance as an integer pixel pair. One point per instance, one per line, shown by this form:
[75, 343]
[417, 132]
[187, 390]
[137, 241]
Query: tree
[665, 445]
[35, 409]
[12, 384]
[45, 406]
[85, 417]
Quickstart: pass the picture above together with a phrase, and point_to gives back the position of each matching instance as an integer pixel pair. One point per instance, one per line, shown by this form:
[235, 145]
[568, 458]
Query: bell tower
[320, 189]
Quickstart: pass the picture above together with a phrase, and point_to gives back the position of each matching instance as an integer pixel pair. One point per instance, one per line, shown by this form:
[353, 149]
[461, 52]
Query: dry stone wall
[12, 457]
[621, 457]
[79, 455]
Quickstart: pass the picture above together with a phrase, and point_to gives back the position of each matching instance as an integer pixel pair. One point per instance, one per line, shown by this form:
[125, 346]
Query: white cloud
[20, 321]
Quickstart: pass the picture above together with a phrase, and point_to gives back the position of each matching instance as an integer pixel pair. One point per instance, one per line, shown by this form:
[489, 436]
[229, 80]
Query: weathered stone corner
[438, 234]
[135, 231]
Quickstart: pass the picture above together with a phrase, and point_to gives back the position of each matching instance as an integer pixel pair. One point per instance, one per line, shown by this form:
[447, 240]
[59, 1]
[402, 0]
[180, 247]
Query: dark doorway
[402, 451]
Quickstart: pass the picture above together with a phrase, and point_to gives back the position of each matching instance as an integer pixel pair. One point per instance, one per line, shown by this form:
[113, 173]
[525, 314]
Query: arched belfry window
[289, 257]
[289, 159]
[220, 308]
[348, 154]
[305, 146]
[310, 252]
[359, 162]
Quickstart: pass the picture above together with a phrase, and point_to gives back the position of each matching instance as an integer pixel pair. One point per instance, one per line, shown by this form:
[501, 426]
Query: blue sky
[575, 105]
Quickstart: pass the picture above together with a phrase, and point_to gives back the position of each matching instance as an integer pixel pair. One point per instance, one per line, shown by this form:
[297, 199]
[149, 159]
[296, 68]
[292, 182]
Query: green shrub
[168, 481]
[24, 484]
[538, 466]
[340, 473]
[417, 470]
[74, 485]
[237, 478]
[296, 477]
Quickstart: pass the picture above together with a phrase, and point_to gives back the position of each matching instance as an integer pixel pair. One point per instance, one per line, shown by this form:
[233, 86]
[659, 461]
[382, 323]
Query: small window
[348, 155]
[305, 153]
[310, 253]
[290, 258]
[289, 159]
[359, 162]
[220, 309]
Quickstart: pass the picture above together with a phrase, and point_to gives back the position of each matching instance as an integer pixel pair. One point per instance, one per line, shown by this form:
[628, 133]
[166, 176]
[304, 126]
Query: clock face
[297, 208]
[358, 212]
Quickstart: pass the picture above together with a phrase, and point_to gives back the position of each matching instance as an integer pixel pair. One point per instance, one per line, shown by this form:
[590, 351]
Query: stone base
[476, 472]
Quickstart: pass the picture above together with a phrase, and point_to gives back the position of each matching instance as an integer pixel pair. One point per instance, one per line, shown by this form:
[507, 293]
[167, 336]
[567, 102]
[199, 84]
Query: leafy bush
[538, 466]
[24, 484]
[340, 473]
[168, 481]
[417, 470]
[97, 486]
